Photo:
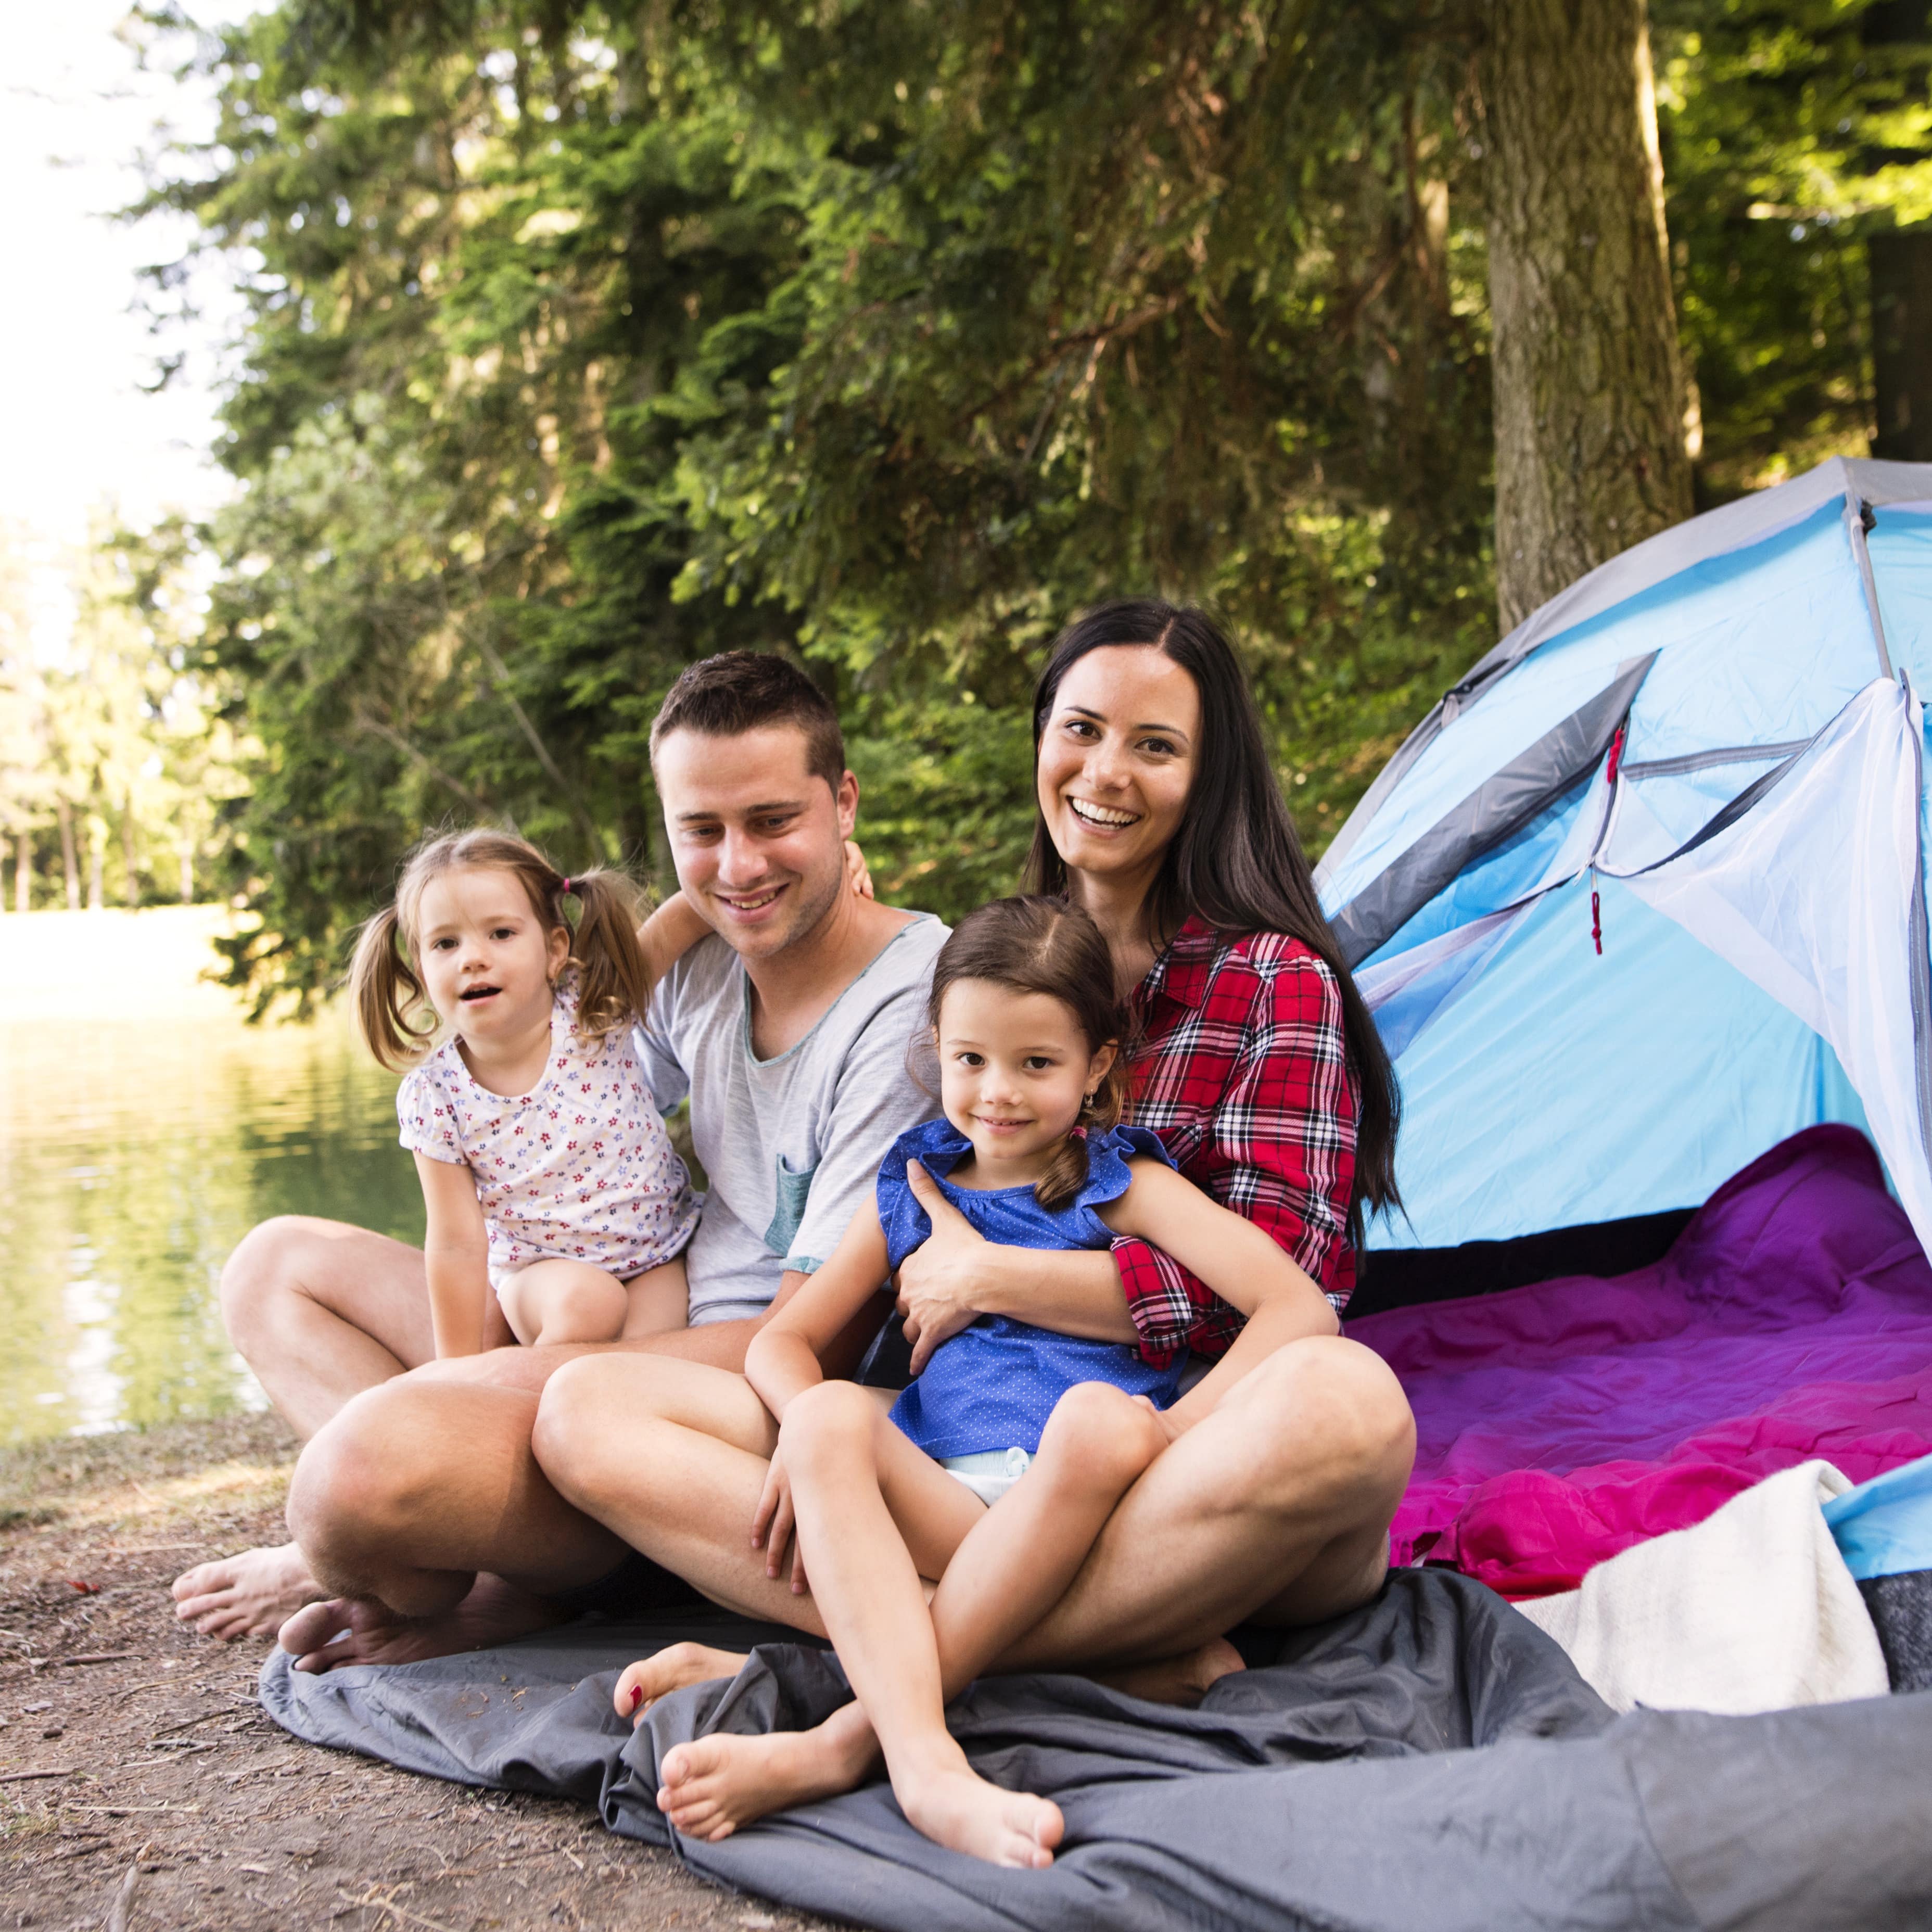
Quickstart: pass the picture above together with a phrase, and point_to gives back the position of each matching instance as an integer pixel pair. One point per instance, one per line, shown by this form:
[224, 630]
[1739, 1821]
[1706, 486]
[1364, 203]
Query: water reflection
[133, 1155]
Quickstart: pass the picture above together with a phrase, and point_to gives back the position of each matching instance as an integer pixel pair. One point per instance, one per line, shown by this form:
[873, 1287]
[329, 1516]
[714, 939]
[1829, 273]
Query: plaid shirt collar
[1182, 972]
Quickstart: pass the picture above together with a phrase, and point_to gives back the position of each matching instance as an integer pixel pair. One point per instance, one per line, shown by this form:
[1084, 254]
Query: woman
[1257, 1063]
[1259, 1067]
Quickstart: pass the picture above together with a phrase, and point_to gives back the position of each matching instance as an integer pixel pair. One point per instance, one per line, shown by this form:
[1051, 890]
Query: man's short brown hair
[745, 690]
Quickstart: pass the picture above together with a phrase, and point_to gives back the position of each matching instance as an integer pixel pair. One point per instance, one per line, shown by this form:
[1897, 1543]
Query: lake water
[136, 1150]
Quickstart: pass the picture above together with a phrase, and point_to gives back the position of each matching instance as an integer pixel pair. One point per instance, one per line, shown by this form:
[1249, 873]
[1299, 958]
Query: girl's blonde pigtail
[385, 988]
[614, 983]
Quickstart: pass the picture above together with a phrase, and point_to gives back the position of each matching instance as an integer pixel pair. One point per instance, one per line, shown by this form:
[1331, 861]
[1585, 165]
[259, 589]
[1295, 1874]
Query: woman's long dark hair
[1235, 858]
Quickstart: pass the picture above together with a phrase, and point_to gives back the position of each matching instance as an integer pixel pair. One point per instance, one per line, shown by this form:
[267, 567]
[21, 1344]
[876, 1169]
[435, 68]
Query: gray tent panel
[1733, 526]
[1498, 808]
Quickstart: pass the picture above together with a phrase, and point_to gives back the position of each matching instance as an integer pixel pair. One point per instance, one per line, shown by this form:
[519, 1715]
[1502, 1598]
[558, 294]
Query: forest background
[584, 340]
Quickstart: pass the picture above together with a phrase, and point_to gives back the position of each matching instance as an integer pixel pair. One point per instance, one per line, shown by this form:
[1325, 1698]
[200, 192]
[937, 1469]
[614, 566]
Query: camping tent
[1645, 894]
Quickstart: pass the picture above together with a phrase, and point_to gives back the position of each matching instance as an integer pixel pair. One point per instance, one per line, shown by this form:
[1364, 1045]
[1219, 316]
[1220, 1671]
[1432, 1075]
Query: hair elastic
[569, 886]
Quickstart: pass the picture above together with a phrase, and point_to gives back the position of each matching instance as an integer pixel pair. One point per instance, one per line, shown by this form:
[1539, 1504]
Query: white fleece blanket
[1752, 1609]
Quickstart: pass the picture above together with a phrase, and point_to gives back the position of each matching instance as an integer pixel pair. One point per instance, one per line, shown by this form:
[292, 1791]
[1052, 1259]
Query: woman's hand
[774, 1527]
[858, 874]
[937, 1280]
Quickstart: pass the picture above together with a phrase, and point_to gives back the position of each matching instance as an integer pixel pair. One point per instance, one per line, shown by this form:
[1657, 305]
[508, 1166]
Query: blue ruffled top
[994, 1384]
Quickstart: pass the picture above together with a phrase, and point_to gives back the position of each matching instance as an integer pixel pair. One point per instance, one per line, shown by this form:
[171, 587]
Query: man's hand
[938, 1280]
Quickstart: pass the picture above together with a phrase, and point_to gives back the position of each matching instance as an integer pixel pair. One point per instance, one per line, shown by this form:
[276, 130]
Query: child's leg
[855, 1480]
[658, 1301]
[1015, 1563]
[554, 1301]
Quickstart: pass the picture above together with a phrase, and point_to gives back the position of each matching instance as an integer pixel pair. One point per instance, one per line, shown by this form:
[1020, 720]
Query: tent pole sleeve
[1921, 964]
[1858, 520]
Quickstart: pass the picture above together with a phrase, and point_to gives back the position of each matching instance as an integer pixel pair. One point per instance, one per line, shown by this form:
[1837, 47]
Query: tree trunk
[1589, 383]
[188, 871]
[23, 871]
[97, 863]
[129, 864]
[68, 861]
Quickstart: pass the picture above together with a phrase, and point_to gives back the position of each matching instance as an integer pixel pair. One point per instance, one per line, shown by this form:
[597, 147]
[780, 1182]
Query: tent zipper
[1610, 808]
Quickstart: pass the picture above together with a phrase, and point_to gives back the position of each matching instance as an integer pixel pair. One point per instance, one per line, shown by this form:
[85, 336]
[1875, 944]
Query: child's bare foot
[713, 1785]
[672, 1669]
[1183, 1680]
[253, 1594]
[959, 1809]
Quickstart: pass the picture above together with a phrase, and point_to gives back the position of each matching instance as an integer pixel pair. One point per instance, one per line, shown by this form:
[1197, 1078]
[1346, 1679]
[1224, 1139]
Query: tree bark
[69, 863]
[1589, 382]
[23, 871]
[96, 863]
[130, 865]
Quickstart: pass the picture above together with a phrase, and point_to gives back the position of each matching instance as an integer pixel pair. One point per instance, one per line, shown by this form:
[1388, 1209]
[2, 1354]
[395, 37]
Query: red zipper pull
[1596, 900]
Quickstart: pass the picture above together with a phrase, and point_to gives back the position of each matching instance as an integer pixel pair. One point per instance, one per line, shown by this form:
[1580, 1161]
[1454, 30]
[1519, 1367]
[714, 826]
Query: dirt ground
[141, 1786]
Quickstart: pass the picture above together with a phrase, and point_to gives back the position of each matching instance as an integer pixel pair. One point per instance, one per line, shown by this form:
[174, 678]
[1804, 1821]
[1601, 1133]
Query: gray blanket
[1428, 1764]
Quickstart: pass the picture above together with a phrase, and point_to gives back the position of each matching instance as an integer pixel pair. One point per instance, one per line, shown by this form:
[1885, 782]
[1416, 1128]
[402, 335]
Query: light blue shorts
[989, 1473]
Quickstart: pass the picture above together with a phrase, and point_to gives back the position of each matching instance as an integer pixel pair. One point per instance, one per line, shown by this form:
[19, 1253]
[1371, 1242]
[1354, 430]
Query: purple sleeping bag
[1559, 1424]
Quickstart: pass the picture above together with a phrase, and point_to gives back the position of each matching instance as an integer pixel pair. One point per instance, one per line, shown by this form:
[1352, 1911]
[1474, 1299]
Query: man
[422, 1524]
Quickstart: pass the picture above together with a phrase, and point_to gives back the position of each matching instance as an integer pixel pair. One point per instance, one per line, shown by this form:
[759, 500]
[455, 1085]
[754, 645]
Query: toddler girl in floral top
[546, 1172]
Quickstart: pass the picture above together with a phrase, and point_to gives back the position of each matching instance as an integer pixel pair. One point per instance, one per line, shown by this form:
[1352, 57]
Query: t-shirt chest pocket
[792, 1189]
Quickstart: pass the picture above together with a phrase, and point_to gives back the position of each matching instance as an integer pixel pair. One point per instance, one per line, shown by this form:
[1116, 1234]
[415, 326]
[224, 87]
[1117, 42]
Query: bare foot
[253, 1594]
[672, 1669]
[713, 1785]
[959, 1809]
[1183, 1680]
[350, 1630]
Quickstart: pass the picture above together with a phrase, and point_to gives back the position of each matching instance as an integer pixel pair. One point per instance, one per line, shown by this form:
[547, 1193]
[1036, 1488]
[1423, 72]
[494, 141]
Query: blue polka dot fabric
[993, 1385]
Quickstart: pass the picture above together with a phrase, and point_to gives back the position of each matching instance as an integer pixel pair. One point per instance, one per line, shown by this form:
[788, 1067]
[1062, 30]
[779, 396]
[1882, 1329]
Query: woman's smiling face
[1117, 758]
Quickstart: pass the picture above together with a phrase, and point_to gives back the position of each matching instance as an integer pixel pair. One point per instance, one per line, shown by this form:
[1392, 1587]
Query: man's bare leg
[320, 1311]
[1275, 1508]
[416, 1488]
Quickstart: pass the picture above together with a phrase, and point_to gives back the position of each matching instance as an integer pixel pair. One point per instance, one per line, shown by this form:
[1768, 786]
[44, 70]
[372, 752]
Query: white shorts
[989, 1473]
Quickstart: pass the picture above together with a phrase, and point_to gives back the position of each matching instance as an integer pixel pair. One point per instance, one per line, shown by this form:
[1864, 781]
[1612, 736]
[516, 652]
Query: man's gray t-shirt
[791, 1145]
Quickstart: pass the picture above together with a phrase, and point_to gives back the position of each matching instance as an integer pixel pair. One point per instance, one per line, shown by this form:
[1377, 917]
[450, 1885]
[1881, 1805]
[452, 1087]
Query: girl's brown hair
[1033, 944]
[385, 975]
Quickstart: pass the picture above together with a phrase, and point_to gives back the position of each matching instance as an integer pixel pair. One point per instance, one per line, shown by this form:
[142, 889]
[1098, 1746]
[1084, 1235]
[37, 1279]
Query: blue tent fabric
[1736, 676]
[1883, 1528]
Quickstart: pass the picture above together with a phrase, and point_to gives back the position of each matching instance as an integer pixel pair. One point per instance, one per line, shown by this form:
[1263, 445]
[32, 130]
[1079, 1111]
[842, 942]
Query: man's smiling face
[757, 838]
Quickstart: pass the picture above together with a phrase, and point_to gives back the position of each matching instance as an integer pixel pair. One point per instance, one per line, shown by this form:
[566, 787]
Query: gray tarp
[1431, 1763]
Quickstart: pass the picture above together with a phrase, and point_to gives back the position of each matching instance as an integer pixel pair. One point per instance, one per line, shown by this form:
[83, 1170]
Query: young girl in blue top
[998, 1467]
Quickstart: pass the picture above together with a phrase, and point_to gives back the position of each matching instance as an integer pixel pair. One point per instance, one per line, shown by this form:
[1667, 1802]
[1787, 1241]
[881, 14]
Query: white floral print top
[579, 1168]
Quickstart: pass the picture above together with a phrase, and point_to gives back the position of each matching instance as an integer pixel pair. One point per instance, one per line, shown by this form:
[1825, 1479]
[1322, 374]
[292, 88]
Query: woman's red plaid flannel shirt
[1242, 1069]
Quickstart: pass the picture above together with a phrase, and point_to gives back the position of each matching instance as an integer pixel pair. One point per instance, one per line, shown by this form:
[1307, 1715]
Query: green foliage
[113, 773]
[585, 341]
[1790, 130]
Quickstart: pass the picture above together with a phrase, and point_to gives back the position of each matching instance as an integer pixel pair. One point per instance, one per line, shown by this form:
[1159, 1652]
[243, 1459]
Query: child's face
[1013, 1069]
[487, 960]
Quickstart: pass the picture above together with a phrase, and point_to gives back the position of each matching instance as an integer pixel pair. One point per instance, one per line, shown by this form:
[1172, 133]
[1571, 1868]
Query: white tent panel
[1812, 896]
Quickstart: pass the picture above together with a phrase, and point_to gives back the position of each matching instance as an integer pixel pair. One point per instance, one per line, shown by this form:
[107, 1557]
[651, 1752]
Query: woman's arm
[956, 1273]
[1279, 1146]
[1234, 1259]
[456, 1248]
[788, 1354]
